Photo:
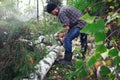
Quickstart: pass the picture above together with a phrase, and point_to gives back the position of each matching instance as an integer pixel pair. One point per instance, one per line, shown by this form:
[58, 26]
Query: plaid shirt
[70, 16]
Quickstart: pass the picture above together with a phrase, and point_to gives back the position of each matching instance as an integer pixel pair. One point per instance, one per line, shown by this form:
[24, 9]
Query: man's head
[52, 8]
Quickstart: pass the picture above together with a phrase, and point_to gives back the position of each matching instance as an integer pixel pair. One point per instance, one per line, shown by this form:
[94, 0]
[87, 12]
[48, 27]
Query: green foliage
[91, 61]
[113, 52]
[112, 76]
[104, 71]
[80, 71]
[100, 48]
[94, 27]
[78, 64]
[99, 36]
[76, 72]
[80, 4]
[89, 19]
[95, 7]
[97, 29]
[116, 60]
[17, 58]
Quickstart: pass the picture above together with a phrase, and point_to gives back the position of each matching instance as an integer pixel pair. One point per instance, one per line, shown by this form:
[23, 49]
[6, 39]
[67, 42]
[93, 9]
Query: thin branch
[111, 34]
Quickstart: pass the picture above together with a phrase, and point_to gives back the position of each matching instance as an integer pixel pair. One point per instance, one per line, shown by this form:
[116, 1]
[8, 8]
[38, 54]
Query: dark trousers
[72, 34]
[83, 39]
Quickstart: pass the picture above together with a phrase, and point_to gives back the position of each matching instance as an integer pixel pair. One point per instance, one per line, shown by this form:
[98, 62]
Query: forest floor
[63, 72]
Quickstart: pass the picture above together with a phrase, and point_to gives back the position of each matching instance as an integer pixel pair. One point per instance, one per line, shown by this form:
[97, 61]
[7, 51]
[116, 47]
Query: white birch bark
[45, 64]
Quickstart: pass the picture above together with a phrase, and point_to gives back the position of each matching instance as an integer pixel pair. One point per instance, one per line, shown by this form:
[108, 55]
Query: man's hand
[66, 27]
[61, 35]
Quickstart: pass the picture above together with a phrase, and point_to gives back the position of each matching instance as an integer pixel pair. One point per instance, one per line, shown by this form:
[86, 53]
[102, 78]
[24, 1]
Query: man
[70, 18]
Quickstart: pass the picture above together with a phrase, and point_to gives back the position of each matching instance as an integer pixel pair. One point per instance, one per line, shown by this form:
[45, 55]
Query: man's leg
[83, 39]
[73, 33]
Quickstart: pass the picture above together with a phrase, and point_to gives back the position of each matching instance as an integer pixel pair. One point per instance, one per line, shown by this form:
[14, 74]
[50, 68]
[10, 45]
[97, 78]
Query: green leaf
[88, 29]
[112, 76]
[113, 52]
[100, 36]
[87, 18]
[82, 73]
[116, 60]
[97, 55]
[78, 64]
[92, 61]
[94, 27]
[104, 71]
[100, 25]
[100, 48]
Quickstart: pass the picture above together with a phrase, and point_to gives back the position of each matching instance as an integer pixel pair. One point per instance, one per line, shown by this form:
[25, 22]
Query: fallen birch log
[45, 64]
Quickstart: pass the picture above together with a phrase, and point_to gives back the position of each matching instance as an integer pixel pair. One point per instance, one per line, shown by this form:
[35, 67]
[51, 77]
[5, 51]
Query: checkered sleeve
[64, 19]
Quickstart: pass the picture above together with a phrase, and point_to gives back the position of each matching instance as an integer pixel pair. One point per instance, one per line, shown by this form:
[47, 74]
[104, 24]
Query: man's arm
[64, 20]
[66, 27]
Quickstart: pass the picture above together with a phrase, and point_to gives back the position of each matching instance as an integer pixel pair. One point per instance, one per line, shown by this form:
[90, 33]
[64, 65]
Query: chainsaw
[60, 38]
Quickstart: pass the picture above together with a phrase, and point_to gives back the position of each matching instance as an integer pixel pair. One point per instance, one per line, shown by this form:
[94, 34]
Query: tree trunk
[45, 64]
[37, 10]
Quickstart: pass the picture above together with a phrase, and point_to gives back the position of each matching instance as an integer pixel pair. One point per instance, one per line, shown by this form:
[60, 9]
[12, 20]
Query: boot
[67, 59]
[83, 49]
